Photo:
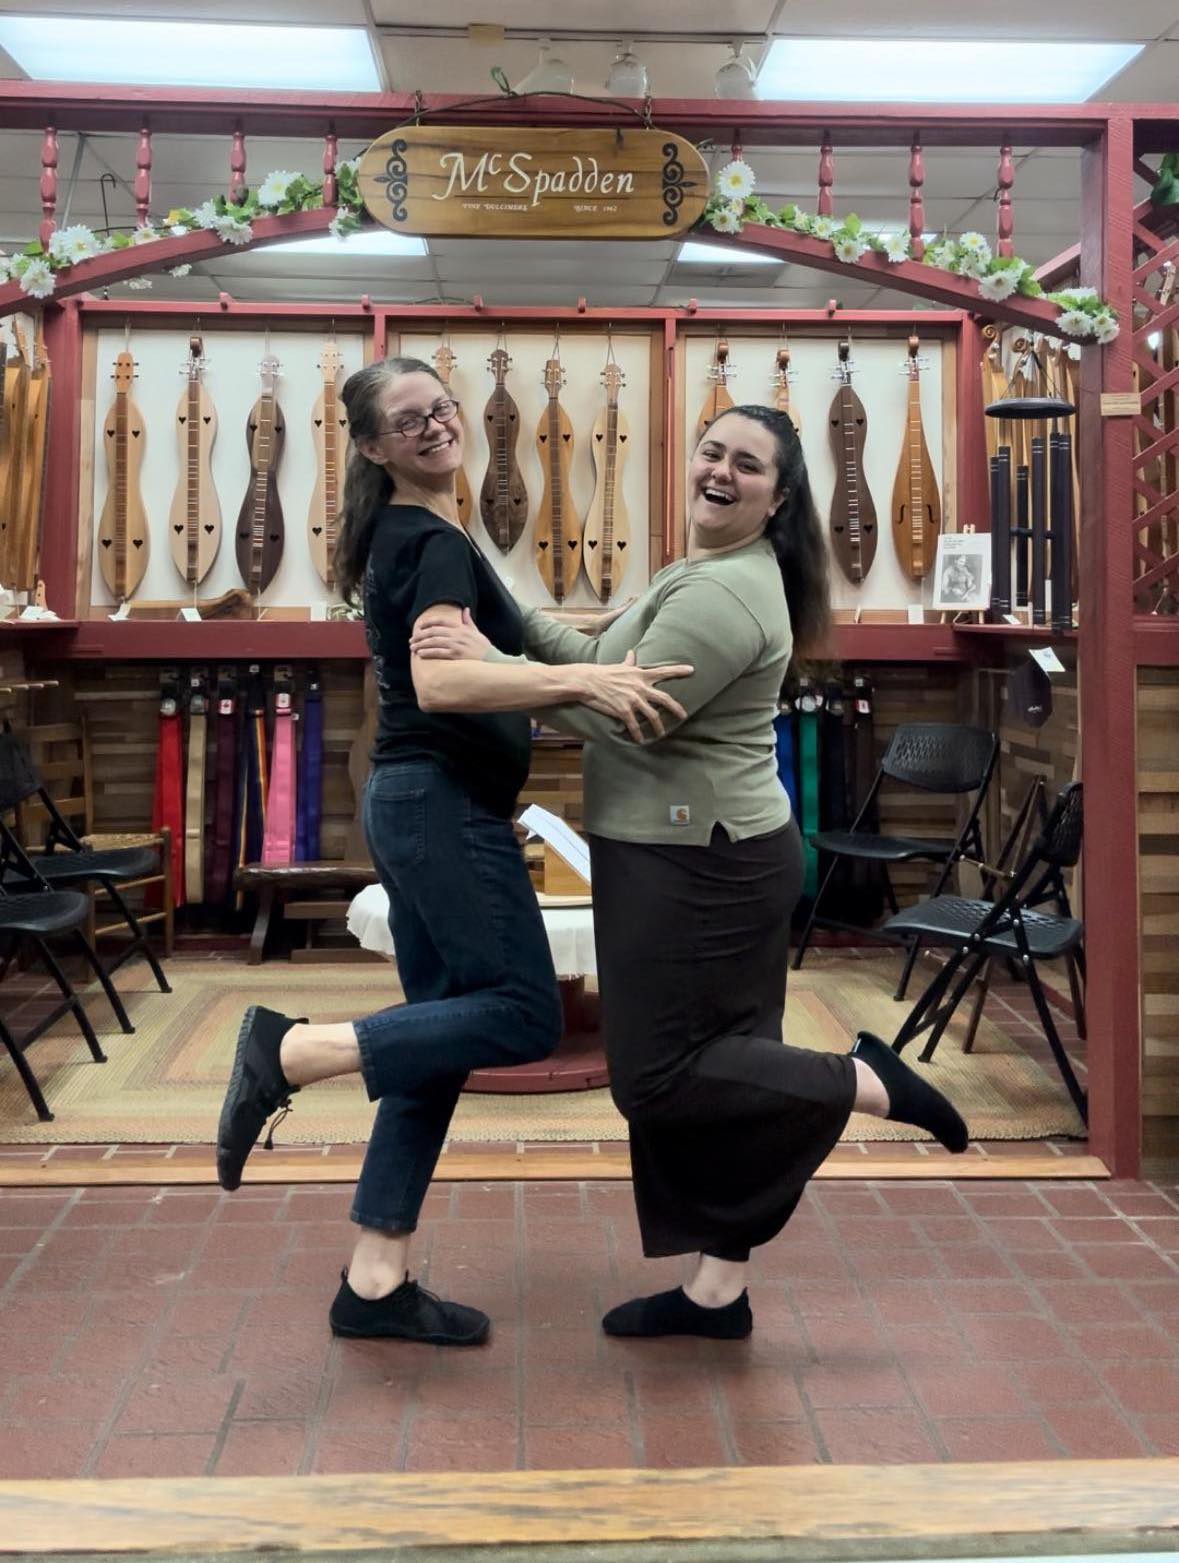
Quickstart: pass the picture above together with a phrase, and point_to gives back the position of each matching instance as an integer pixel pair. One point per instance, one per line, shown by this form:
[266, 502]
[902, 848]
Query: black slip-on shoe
[409, 1312]
[257, 1088]
[674, 1313]
[911, 1099]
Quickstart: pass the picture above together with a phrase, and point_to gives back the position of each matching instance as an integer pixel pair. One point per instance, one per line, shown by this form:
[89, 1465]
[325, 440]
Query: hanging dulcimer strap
[310, 811]
[786, 751]
[278, 844]
[808, 783]
[219, 876]
[194, 789]
[252, 772]
[168, 802]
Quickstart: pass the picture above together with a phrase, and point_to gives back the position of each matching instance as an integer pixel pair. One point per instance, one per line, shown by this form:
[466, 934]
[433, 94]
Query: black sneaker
[674, 1313]
[407, 1313]
[257, 1088]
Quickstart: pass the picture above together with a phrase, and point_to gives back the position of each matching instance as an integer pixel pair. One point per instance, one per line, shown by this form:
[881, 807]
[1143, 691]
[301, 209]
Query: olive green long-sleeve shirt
[727, 617]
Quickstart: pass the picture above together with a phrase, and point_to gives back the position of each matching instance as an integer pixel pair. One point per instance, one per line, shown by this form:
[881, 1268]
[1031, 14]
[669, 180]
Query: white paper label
[916, 613]
[1048, 660]
[191, 615]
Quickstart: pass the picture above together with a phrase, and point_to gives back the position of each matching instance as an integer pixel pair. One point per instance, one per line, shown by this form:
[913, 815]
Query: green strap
[808, 788]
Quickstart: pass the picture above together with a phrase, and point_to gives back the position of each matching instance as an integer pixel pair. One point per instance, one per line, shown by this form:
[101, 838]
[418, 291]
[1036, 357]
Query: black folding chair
[65, 862]
[936, 757]
[1012, 927]
[27, 922]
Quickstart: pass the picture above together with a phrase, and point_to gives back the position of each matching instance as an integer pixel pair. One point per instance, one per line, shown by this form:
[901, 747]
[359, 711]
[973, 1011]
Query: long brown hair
[367, 485]
[795, 533]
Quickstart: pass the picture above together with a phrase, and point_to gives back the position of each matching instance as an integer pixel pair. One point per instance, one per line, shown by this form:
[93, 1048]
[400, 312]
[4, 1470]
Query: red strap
[168, 807]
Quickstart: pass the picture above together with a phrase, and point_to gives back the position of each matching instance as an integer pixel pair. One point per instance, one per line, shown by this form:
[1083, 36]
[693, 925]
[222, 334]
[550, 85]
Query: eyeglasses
[418, 422]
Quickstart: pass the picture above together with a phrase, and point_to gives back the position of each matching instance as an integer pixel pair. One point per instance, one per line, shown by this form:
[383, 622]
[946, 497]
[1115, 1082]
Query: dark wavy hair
[367, 485]
[795, 533]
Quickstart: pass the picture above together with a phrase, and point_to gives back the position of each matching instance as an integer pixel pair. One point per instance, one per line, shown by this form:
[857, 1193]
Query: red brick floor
[178, 1331]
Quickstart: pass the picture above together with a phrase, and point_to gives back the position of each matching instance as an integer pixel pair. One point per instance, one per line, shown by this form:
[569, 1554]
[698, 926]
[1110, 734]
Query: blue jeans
[474, 961]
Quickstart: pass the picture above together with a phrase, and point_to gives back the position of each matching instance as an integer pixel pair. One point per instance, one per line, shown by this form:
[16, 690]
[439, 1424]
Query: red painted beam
[1159, 220]
[906, 276]
[1156, 642]
[1108, 681]
[31, 105]
[118, 265]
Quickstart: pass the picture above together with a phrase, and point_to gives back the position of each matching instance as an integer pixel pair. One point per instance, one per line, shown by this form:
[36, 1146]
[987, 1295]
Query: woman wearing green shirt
[697, 866]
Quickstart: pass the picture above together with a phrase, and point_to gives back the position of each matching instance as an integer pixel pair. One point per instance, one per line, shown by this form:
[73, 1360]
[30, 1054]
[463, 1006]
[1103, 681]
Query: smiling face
[428, 456]
[733, 483]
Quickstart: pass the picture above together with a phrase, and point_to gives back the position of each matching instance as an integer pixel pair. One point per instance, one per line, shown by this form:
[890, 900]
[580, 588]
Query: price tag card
[1048, 660]
[191, 615]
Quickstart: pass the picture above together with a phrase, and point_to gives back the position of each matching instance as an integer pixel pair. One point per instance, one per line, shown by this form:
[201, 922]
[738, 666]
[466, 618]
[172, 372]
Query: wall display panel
[232, 384]
[881, 380]
[583, 401]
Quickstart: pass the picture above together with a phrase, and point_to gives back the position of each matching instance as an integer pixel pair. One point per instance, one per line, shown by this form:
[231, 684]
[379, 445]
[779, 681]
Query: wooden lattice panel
[1156, 427]
[1158, 892]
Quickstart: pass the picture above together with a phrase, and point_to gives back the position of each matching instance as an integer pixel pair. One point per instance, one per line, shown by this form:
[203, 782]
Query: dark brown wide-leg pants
[727, 1123]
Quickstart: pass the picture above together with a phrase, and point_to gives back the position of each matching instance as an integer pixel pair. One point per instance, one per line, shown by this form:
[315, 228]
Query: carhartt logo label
[680, 814]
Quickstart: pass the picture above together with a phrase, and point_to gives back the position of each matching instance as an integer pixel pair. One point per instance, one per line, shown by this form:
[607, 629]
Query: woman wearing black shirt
[451, 754]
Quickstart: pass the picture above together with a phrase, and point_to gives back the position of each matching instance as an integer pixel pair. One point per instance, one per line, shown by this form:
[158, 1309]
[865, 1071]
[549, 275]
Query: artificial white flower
[205, 215]
[336, 226]
[273, 189]
[1105, 327]
[139, 283]
[1079, 292]
[824, 227]
[179, 271]
[36, 279]
[896, 247]
[802, 222]
[1075, 322]
[975, 244]
[232, 230]
[70, 245]
[850, 248]
[145, 234]
[735, 180]
[352, 164]
[178, 230]
[728, 219]
[1073, 350]
[998, 285]
[5, 267]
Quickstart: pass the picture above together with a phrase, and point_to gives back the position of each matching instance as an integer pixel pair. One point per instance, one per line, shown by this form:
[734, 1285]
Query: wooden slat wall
[1158, 890]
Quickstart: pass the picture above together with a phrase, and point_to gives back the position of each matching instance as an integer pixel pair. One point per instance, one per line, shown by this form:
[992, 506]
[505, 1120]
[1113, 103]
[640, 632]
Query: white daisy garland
[281, 192]
[1084, 315]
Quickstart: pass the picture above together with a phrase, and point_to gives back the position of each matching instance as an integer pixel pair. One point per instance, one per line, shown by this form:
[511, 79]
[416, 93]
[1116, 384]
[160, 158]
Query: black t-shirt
[416, 561]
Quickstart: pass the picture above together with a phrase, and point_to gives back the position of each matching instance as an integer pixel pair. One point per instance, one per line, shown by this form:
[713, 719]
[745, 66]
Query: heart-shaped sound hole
[178, 528]
[182, 420]
[318, 423]
[137, 542]
[106, 542]
[592, 544]
[317, 531]
[275, 537]
[620, 546]
[209, 529]
[571, 544]
[543, 547]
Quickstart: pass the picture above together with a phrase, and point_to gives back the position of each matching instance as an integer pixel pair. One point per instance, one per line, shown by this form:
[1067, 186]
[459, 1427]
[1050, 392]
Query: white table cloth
[570, 928]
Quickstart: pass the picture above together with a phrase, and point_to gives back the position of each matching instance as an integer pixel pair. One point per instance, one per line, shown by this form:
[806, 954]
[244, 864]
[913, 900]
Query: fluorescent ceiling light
[901, 70]
[375, 241]
[694, 254]
[190, 54]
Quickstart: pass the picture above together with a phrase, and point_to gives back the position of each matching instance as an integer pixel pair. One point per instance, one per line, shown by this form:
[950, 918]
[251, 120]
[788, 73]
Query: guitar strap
[168, 802]
[864, 877]
[220, 864]
[307, 845]
[194, 790]
[809, 702]
[252, 816]
[833, 802]
[278, 842]
[786, 754]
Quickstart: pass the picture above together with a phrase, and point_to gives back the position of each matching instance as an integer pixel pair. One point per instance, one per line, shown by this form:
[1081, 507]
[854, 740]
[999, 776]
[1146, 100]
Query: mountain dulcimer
[123, 544]
[606, 538]
[444, 362]
[718, 399]
[196, 512]
[503, 499]
[558, 529]
[853, 515]
[260, 526]
[31, 489]
[783, 375]
[329, 435]
[16, 390]
[916, 503]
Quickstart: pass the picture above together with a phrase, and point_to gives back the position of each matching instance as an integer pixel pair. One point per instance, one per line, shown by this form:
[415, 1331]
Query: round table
[578, 1063]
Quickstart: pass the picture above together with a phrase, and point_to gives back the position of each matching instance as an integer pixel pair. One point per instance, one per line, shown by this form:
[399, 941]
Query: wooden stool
[276, 884]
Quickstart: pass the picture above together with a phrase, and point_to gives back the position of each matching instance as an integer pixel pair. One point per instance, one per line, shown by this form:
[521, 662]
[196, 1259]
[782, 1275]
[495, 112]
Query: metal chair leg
[92, 960]
[915, 1022]
[139, 940]
[1072, 1084]
[27, 1076]
[984, 986]
[814, 912]
[969, 969]
[73, 1001]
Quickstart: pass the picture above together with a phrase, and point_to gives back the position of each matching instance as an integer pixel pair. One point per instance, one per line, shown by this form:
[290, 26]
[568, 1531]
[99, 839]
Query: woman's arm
[547, 641]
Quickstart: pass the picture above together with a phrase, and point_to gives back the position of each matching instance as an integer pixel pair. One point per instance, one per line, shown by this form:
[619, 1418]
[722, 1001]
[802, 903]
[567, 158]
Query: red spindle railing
[826, 204]
[1005, 221]
[916, 199]
[143, 177]
[48, 185]
[237, 166]
[331, 150]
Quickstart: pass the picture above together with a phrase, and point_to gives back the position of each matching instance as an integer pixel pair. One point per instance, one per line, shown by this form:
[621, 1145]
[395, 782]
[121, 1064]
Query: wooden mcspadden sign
[528, 182]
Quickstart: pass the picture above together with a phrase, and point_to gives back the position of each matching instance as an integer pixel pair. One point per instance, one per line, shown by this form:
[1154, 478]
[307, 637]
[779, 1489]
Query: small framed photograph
[962, 574]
